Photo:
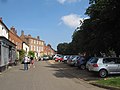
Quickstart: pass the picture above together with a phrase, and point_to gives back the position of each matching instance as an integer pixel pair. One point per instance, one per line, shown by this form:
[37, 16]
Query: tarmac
[9, 78]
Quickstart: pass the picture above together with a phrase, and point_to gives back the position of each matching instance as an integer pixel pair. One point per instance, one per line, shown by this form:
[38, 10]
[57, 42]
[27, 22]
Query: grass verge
[111, 82]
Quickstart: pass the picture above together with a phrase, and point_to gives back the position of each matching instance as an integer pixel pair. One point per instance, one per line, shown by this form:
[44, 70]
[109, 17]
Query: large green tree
[62, 48]
[101, 32]
[31, 54]
[105, 14]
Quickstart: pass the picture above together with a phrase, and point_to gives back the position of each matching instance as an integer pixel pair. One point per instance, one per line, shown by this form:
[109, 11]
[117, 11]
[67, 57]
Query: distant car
[65, 58]
[81, 62]
[104, 66]
[70, 59]
[73, 60]
[59, 59]
[45, 57]
[56, 56]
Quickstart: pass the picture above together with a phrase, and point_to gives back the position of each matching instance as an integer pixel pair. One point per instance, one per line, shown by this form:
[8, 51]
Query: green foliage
[115, 82]
[62, 48]
[31, 53]
[99, 33]
[22, 54]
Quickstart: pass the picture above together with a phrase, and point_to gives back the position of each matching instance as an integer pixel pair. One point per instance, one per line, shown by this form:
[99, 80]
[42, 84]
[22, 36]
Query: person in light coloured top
[25, 63]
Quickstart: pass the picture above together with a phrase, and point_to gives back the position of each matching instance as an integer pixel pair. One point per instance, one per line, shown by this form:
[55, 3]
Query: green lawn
[115, 82]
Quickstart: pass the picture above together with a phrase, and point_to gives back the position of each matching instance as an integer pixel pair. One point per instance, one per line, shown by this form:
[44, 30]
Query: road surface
[44, 76]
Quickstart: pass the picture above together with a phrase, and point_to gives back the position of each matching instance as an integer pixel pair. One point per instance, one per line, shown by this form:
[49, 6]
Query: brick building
[48, 50]
[13, 37]
[35, 44]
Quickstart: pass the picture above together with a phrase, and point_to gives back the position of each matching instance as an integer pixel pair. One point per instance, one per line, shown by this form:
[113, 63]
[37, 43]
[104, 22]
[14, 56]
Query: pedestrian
[25, 63]
[28, 62]
[32, 62]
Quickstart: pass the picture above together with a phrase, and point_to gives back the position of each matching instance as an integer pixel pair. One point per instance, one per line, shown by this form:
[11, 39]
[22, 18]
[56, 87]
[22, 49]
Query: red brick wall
[16, 40]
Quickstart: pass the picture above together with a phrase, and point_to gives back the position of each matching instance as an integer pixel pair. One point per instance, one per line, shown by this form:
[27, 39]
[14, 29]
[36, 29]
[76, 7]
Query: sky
[53, 20]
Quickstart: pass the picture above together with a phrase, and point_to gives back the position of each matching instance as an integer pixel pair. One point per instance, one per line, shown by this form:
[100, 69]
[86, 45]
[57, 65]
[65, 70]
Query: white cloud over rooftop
[70, 1]
[71, 20]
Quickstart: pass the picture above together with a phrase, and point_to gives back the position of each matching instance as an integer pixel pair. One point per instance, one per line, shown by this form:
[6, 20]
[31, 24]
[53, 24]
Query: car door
[118, 63]
[110, 65]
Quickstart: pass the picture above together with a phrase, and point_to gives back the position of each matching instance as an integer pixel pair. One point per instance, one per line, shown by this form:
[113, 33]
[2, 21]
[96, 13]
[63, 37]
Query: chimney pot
[22, 32]
[0, 18]
[38, 37]
[13, 30]
[29, 35]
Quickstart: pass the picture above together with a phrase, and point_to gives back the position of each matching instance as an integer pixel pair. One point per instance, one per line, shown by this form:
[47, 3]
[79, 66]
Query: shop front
[7, 53]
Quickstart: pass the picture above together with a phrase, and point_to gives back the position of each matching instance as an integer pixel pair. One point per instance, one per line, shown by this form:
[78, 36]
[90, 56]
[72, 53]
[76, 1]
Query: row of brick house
[11, 44]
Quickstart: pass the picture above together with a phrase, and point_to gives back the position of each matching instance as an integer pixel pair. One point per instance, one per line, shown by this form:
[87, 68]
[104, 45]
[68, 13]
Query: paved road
[43, 77]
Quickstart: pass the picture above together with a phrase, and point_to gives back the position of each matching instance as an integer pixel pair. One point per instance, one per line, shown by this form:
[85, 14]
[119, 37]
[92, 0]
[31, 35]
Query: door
[110, 65]
[118, 63]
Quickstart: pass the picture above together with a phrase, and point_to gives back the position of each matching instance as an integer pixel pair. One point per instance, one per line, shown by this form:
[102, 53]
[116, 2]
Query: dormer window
[2, 28]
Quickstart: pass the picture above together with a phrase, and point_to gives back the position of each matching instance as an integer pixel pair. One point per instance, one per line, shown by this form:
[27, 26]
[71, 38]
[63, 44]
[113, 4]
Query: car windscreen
[94, 60]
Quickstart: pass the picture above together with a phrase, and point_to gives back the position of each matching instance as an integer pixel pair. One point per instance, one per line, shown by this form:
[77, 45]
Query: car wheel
[82, 67]
[103, 73]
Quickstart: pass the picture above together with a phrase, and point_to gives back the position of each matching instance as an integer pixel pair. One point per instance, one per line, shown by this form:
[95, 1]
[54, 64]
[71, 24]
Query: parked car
[73, 60]
[65, 58]
[104, 66]
[45, 57]
[81, 62]
[57, 55]
[59, 59]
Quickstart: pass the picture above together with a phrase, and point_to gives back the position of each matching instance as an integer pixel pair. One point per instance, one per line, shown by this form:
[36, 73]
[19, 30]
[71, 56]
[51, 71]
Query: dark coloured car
[81, 62]
[73, 60]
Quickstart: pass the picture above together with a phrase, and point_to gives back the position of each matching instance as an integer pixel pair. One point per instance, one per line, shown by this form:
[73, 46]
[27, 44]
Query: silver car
[73, 60]
[104, 66]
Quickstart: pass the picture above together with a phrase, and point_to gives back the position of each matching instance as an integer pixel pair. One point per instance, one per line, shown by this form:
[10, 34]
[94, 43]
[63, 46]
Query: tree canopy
[101, 32]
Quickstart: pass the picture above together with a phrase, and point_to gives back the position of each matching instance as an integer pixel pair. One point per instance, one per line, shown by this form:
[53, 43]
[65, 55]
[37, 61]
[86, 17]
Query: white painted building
[26, 47]
[3, 29]
[7, 48]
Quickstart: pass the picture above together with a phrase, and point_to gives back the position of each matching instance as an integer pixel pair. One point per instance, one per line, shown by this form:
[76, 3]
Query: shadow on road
[66, 71]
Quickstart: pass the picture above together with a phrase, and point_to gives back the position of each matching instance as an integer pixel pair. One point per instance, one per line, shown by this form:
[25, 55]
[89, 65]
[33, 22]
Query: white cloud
[72, 20]
[70, 1]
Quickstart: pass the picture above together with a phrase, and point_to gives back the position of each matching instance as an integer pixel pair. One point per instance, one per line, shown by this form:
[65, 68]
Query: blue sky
[53, 20]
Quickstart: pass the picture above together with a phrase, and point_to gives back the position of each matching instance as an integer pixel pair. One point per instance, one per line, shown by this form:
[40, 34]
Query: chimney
[22, 33]
[29, 35]
[0, 18]
[38, 37]
[13, 30]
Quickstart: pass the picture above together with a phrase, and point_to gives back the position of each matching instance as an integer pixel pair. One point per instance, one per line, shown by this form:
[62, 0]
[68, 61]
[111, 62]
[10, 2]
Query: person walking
[32, 62]
[25, 63]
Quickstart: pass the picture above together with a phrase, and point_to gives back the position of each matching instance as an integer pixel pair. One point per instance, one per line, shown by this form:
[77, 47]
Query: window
[34, 48]
[2, 28]
[118, 60]
[34, 41]
[94, 60]
[109, 60]
[31, 41]
[16, 43]
[13, 41]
